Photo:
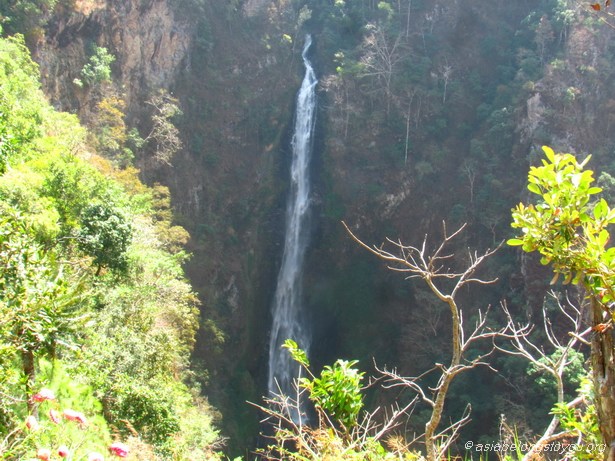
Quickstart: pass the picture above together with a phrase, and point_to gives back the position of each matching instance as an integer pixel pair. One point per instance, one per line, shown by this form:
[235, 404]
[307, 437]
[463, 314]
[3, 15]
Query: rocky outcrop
[150, 44]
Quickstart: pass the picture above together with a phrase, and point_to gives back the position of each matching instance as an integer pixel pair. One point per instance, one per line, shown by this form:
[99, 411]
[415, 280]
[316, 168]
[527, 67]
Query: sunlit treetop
[568, 225]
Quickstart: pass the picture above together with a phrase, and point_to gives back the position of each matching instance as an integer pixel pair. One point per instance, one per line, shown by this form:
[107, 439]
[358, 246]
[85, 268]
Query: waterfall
[288, 319]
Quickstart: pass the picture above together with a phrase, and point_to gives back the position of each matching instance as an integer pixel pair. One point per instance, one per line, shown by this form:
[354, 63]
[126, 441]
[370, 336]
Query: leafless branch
[449, 434]
[286, 416]
[553, 363]
[164, 134]
[432, 267]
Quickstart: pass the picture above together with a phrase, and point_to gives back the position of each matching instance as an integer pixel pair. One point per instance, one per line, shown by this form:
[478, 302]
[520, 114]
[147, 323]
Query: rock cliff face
[150, 43]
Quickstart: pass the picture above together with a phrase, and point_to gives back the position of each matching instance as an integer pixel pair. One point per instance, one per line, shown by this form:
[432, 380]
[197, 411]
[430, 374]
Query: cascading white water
[288, 318]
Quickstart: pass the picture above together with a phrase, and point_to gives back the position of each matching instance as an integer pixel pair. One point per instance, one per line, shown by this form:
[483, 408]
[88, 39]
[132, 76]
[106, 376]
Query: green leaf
[600, 209]
[545, 260]
[610, 217]
[296, 353]
[534, 188]
[568, 278]
[603, 238]
[584, 162]
[549, 153]
[594, 190]
[515, 242]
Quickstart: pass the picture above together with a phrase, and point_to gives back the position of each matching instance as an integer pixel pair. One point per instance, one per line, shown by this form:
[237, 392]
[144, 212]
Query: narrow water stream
[288, 319]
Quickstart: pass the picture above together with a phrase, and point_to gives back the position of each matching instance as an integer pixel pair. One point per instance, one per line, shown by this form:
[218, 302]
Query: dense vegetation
[96, 317]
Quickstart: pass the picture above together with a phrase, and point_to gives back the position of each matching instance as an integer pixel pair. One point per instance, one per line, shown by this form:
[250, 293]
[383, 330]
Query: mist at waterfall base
[288, 318]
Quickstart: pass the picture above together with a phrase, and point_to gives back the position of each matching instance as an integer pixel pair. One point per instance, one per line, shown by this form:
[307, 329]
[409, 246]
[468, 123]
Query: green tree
[26, 16]
[20, 102]
[105, 235]
[570, 230]
[37, 307]
[98, 67]
[7, 147]
[73, 185]
[344, 431]
[57, 201]
[338, 391]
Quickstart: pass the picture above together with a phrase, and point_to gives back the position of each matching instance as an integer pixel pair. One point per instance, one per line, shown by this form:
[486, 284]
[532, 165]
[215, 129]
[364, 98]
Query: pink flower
[44, 394]
[32, 423]
[119, 449]
[43, 453]
[63, 451]
[77, 416]
[54, 416]
[95, 456]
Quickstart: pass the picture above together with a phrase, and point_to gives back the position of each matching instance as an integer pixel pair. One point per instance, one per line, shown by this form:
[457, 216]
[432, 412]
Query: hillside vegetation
[97, 320]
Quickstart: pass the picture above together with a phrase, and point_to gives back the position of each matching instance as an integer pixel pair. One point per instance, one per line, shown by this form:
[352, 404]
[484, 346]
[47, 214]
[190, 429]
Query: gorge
[428, 111]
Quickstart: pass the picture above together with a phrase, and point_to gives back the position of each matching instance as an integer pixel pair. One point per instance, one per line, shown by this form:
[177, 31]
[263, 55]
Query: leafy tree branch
[569, 228]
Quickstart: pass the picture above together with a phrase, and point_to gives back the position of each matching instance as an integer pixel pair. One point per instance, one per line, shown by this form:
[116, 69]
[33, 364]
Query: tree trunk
[29, 369]
[603, 374]
[431, 447]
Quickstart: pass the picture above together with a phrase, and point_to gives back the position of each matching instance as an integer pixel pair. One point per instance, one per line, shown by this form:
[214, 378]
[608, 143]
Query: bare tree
[164, 134]
[553, 362]
[469, 168]
[445, 74]
[382, 55]
[408, 18]
[445, 284]
[406, 109]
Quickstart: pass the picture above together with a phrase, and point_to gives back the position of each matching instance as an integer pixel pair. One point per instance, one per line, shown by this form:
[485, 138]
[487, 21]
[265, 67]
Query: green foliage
[583, 424]
[51, 429]
[145, 328]
[575, 372]
[19, 189]
[26, 16]
[570, 231]
[36, 304]
[386, 9]
[338, 399]
[338, 389]
[150, 412]
[338, 392]
[7, 145]
[126, 344]
[296, 353]
[20, 101]
[565, 227]
[73, 185]
[105, 235]
[98, 68]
